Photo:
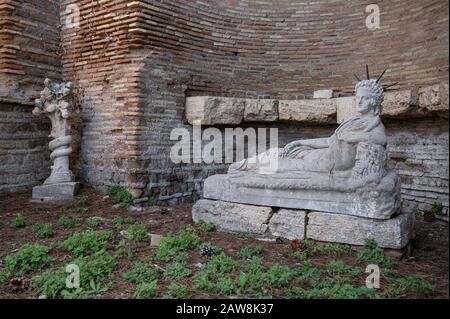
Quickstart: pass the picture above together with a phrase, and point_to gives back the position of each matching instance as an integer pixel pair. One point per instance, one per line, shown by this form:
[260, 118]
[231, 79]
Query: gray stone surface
[346, 108]
[266, 222]
[400, 103]
[323, 94]
[308, 111]
[215, 110]
[56, 103]
[285, 192]
[233, 217]
[289, 224]
[55, 193]
[434, 98]
[394, 233]
[261, 110]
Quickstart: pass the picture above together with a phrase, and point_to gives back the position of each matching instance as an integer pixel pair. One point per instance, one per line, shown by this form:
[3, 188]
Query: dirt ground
[429, 258]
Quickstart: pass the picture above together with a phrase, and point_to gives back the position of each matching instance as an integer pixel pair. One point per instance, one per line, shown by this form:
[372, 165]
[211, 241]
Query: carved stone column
[56, 103]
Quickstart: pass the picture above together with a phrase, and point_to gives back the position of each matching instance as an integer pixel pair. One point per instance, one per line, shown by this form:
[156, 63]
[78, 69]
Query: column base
[55, 193]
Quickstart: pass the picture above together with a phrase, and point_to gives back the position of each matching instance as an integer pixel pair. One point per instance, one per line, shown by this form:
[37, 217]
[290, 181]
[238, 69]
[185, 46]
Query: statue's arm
[314, 143]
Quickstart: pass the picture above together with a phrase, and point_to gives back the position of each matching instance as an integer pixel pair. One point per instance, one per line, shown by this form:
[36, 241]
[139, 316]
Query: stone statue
[345, 173]
[56, 102]
[335, 189]
[336, 153]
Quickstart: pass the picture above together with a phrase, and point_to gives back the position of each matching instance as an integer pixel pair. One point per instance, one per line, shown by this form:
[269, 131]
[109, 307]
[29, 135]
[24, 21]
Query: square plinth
[55, 193]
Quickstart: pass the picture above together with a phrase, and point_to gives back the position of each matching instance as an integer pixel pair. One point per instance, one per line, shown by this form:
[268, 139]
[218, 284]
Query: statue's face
[363, 101]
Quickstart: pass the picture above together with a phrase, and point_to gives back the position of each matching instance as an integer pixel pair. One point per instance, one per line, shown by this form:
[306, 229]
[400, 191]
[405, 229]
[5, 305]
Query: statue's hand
[289, 148]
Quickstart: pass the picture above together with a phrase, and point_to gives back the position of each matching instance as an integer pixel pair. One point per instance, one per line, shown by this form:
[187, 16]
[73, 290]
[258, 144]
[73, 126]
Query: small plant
[43, 230]
[88, 242]
[137, 232]
[29, 258]
[19, 222]
[223, 264]
[68, 222]
[178, 270]
[94, 222]
[217, 275]
[120, 221]
[4, 277]
[121, 195]
[438, 209]
[51, 283]
[411, 284]
[301, 256]
[96, 273]
[143, 272]
[177, 292]
[279, 276]
[219, 284]
[373, 254]
[172, 245]
[83, 200]
[124, 250]
[146, 290]
[338, 267]
[249, 252]
[244, 235]
[152, 202]
[207, 227]
[82, 210]
[348, 291]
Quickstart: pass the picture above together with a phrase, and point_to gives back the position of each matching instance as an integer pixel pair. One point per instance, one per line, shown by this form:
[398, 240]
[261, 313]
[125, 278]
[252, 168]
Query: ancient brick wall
[291, 48]
[24, 155]
[29, 52]
[134, 62]
[29, 47]
[418, 149]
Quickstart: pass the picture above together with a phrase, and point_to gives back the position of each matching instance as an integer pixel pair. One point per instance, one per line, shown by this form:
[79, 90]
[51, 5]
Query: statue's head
[369, 97]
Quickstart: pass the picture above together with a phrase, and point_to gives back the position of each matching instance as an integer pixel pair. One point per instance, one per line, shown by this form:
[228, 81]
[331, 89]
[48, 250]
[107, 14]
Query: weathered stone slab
[375, 203]
[430, 98]
[394, 233]
[55, 193]
[308, 111]
[233, 217]
[346, 108]
[323, 94]
[400, 103]
[261, 110]
[215, 110]
[434, 99]
[289, 224]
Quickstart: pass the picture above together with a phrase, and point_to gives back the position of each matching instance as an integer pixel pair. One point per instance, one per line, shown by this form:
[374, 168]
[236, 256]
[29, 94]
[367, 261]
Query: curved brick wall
[291, 48]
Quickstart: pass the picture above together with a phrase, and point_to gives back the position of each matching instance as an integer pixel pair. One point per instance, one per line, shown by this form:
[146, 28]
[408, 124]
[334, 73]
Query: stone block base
[270, 222]
[55, 193]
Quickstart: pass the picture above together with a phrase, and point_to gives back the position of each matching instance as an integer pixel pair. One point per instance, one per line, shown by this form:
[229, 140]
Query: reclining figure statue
[345, 173]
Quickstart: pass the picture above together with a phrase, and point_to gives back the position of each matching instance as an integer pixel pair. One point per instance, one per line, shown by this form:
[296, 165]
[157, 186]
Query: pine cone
[297, 245]
[208, 251]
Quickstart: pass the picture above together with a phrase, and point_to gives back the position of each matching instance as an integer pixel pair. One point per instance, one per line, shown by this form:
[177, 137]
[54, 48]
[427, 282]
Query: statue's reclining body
[344, 174]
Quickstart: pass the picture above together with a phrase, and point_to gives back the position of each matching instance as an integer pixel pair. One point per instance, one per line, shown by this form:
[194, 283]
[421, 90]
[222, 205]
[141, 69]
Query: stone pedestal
[56, 103]
[55, 193]
[270, 222]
